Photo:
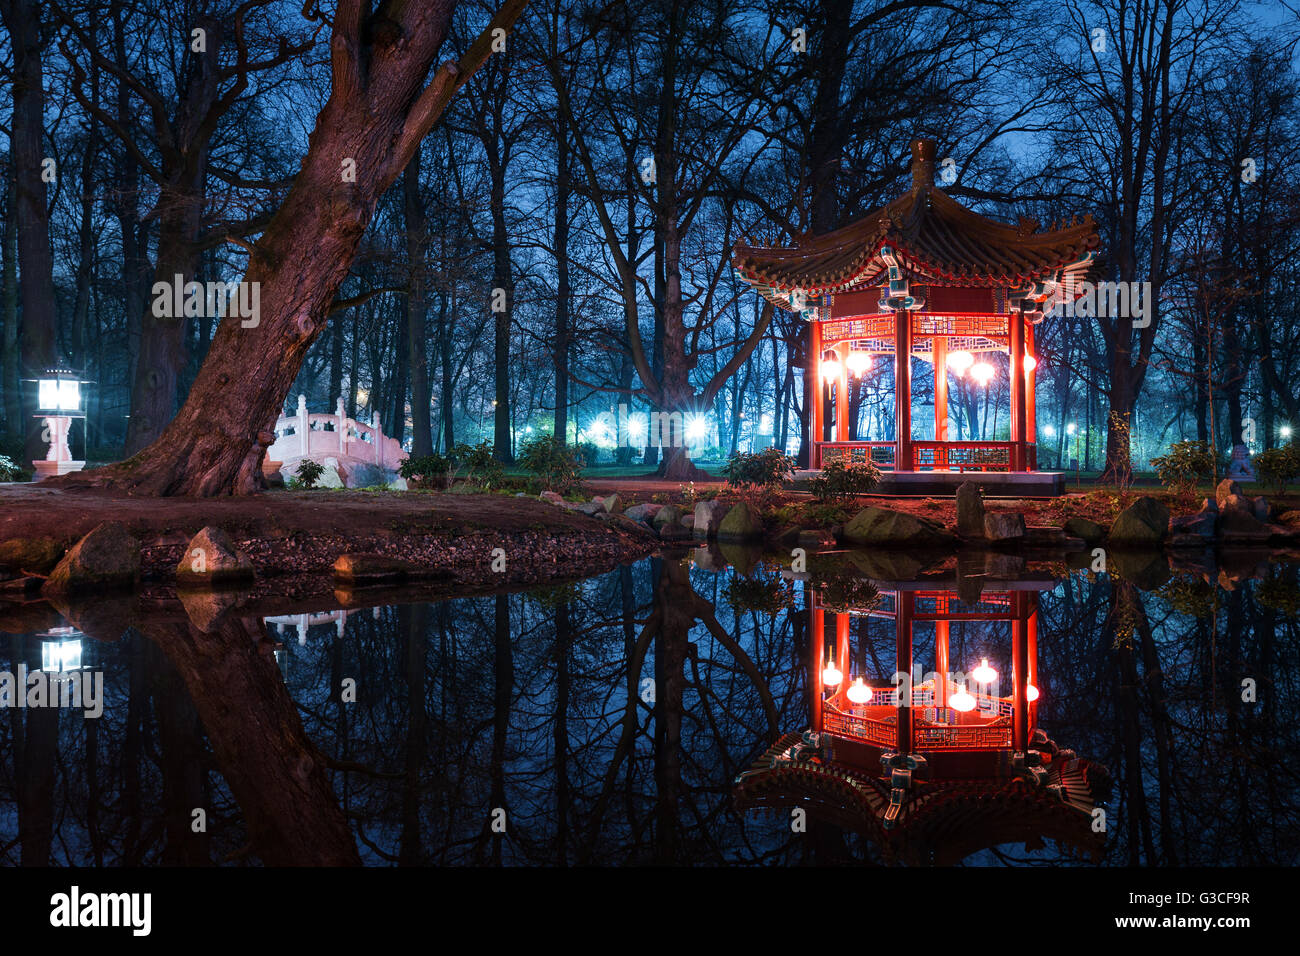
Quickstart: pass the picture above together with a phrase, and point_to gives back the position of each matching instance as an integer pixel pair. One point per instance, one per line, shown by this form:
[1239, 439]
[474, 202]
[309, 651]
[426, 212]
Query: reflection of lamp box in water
[935, 764]
[61, 650]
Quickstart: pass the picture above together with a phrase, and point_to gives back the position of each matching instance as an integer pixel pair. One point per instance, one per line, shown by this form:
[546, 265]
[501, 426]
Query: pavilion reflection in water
[930, 763]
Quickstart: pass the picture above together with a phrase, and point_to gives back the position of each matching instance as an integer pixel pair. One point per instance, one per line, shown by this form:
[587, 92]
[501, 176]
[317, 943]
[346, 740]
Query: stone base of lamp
[52, 469]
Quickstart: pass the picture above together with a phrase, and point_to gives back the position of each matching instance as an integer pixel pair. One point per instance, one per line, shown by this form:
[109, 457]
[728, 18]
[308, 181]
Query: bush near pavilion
[840, 480]
[758, 476]
[308, 473]
[1278, 466]
[1186, 464]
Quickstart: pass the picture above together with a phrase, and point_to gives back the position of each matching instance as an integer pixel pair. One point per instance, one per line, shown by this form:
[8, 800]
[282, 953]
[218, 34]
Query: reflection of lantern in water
[961, 700]
[1032, 693]
[859, 692]
[984, 674]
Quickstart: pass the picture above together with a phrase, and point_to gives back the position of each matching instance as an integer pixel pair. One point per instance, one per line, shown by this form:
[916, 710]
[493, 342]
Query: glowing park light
[982, 373]
[697, 426]
[1031, 363]
[959, 361]
[1032, 693]
[984, 674]
[63, 652]
[1286, 431]
[831, 675]
[1071, 428]
[57, 391]
[638, 426]
[858, 362]
[858, 692]
[831, 368]
[961, 700]
[1049, 430]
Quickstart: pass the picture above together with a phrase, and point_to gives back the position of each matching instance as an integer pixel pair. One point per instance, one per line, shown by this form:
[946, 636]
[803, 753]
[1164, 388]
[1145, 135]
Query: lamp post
[58, 401]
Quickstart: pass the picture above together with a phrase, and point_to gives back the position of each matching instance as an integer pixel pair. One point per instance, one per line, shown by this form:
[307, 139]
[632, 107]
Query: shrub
[758, 475]
[308, 473]
[480, 465]
[589, 452]
[557, 466]
[8, 470]
[1278, 466]
[840, 479]
[1187, 463]
[427, 471]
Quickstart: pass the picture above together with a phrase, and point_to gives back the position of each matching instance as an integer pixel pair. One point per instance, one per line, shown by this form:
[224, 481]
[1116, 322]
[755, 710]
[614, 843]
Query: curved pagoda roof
[934, 240]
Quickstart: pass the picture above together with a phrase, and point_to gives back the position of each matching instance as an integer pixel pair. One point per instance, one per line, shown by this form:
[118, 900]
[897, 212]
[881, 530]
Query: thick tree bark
[563, 193]
[14, 428]
[37, 350]
[378, 112]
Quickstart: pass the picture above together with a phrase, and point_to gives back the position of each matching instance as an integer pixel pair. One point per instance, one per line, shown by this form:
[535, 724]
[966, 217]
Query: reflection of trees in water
[534, 703]
[1200, 777]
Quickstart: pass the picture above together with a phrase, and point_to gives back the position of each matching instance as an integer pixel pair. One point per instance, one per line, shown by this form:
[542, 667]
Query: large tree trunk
[14, 430]
[563, 191]
[417, 307]
[36, 273]
[378, 112]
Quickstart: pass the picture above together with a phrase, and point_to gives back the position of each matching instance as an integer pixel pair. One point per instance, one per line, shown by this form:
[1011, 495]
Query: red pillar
[941, 664]
[903, 390]
[903, 661]
[1017, 374]
[842, 403]
[940, 351]
[1031, 401]
[814, 410]
[1019, 674]
[815, 621]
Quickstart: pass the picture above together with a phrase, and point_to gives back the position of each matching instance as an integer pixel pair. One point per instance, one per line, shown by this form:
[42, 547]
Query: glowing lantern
[959, 361]
[982, 372]
[1032, 693]
[831, 675]
[858, 362]
[831, 368]
[1031, 363]
[984, 674]
[859, 692]
[961, 700]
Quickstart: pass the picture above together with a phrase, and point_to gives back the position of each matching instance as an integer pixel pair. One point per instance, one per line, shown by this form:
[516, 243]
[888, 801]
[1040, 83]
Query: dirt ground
[303, 532]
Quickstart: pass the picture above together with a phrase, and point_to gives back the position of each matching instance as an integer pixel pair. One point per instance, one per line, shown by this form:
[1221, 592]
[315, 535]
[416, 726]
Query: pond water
[607, 721]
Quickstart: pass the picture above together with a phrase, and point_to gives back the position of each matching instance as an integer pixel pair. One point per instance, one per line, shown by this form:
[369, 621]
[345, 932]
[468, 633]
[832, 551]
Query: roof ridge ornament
[922, 164]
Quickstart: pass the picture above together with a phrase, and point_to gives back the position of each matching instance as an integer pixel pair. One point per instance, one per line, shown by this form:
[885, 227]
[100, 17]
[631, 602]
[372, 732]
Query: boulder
[1262, 509]
[1241, 523]
[612, 504]
[880, 526]
[108, 557]
[741, 523]
[813, 538]
[970, 510]
[624, 523]
[1290, 519]
[360, 570]
[1209, 506]
[667, 515]
[1143, 523]
[36, 555]
[1004, 526]
[552, 497]
[211, 559]
[334, 475]
[1202, 523]
[589, 508]
[1224, 489]
[708, 518]
[688, 522]
[1089, 531]
[643, 512]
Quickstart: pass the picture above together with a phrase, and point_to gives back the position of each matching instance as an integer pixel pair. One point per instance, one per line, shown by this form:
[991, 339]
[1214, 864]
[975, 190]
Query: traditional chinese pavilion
[924, 277]
[932, 763]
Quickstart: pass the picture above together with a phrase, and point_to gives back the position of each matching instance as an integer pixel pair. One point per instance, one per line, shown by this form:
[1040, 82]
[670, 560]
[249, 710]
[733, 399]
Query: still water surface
[606, 722]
